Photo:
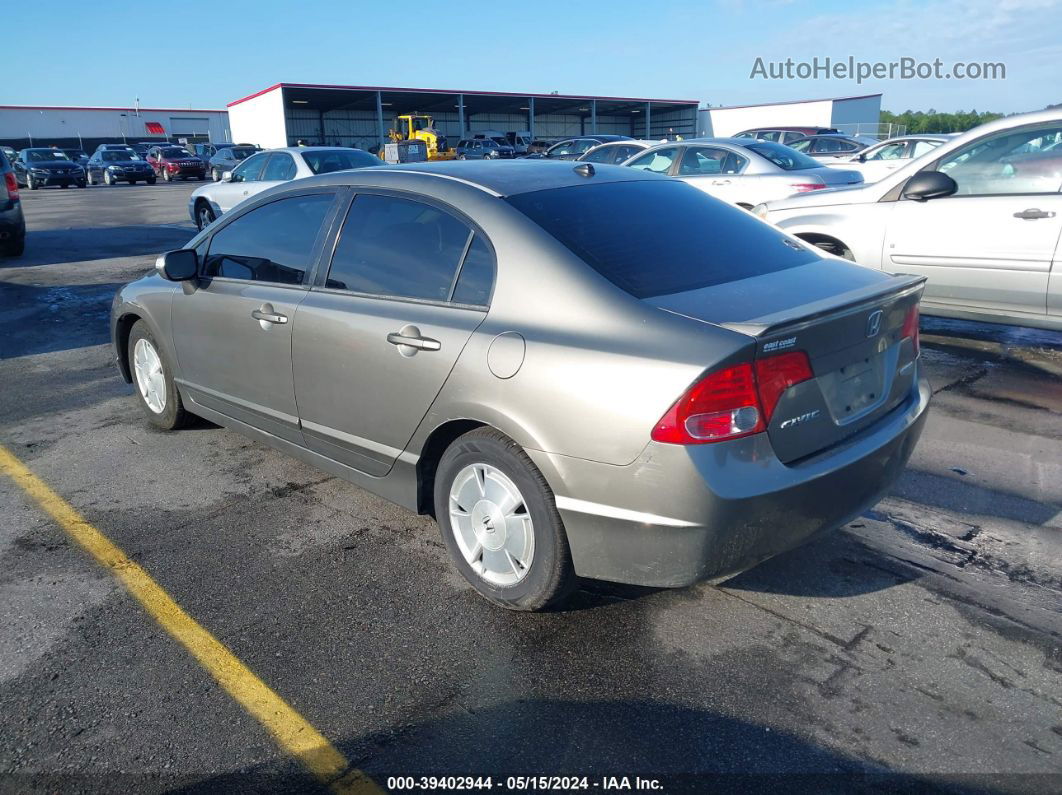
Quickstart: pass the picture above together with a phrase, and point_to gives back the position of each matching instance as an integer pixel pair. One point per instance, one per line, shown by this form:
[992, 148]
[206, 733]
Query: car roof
[499, 178]
[296, 149]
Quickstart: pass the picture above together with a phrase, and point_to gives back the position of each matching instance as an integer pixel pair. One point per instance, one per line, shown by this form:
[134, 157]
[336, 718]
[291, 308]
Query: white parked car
[878, 160]
[980, 216]
[742, 171]
[269, 168]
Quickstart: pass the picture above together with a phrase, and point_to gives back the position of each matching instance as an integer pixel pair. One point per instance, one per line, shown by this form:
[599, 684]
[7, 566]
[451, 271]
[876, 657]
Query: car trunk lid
[848, 321]
[837, 177]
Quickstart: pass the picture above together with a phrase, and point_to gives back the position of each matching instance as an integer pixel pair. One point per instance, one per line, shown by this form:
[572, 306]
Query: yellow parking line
[292, 732]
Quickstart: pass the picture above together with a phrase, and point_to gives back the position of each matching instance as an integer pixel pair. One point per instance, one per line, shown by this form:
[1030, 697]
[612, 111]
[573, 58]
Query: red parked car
[171, 162]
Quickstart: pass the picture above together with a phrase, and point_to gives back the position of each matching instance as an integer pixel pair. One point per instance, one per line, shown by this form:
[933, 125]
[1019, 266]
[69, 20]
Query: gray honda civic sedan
[578, 370]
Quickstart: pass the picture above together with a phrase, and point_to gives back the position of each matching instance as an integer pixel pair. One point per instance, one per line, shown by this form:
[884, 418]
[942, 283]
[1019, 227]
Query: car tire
[107, 178]
[14, 248]
[167, 412]
[460, 157]
[531, 568]
[150, 180]
[204, 215]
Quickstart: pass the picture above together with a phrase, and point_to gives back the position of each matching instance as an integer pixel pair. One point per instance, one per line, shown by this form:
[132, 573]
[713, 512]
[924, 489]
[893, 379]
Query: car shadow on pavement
[686, 750]
[55, 246]
[835, 565]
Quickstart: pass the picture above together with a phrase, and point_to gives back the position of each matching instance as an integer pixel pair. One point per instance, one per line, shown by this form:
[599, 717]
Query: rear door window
[281, 167]
[658, 237]
[396, 247]
[710, 160]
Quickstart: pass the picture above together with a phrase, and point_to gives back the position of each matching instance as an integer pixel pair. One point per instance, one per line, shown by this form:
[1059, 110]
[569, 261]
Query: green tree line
[931, 121]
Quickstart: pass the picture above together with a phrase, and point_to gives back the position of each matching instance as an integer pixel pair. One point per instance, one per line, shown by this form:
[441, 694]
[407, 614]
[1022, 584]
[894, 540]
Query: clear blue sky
[207, 54]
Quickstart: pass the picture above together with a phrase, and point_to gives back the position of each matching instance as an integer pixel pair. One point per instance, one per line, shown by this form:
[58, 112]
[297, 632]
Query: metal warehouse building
[85, 127]
[360, 115]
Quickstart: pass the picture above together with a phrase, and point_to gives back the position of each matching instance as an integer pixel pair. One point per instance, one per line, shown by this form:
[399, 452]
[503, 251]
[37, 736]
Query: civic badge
[874, 323]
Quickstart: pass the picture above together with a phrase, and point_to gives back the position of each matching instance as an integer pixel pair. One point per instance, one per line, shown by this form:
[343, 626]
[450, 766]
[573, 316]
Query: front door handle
[720, 182]
[410, 337]
[1033, 213]
[269, 317]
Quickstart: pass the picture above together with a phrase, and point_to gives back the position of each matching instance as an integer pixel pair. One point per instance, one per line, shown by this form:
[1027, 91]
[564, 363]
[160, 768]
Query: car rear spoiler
[808, 314]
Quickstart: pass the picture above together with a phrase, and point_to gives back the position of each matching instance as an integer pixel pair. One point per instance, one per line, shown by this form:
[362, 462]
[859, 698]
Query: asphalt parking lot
[922, 641]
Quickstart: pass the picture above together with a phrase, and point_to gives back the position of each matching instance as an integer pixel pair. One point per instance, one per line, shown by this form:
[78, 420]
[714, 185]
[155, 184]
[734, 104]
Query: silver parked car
[980, 217]
[615, 152]
[578, 370]
[268, 169]
[878, 160]
[742, 171]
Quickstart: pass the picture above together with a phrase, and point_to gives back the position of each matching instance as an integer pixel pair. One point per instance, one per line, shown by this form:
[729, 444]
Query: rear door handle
[418, 342]
[269, 317]
[1033, 213]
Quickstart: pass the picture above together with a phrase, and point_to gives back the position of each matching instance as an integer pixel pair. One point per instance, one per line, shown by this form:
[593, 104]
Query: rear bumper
[682, 514]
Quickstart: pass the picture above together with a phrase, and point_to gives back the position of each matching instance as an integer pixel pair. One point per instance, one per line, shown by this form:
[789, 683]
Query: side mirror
[862, 158]
[927, 185]
[178, 266]
[227, 177]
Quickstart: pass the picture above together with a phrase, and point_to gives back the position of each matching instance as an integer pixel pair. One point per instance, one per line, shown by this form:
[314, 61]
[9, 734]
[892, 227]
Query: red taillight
[776, 374]
[12, 185]
[722, 405]
[732, 403]
[804, 187]
[910, 327]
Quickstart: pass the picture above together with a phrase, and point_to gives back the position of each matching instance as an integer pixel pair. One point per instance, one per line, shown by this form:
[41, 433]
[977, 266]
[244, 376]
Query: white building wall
[260, 120]
[48, 124]
[724, 122]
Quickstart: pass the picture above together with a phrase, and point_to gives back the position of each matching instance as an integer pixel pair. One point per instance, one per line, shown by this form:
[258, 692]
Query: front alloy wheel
[147, 367]
[156, 392]
[204, 216]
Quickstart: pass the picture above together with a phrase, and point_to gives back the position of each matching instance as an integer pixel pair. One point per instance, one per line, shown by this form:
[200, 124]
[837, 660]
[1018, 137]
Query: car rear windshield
[654, 238]
[783, 156]
[325, 161]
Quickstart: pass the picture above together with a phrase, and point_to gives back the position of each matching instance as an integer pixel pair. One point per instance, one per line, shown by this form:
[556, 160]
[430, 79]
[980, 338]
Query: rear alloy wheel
[500, 524]
[156, 392]
[204, 216]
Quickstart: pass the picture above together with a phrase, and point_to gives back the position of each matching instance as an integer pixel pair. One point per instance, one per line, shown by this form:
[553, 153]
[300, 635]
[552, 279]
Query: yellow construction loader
[421, 127]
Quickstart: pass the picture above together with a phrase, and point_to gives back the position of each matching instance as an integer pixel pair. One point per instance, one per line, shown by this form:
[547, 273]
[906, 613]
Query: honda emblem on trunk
[874, 324]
